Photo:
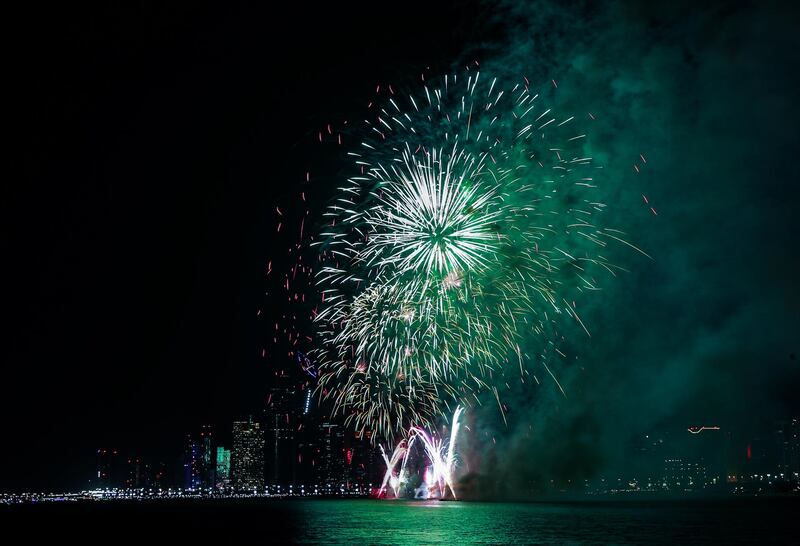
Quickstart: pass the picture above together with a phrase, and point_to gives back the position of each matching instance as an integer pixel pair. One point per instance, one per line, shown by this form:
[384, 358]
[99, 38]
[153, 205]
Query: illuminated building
[787, 450]
[198, 460]
[247, 456]
[758, 460]
[331, 468]
[109, 471]
[160, 477]
[223, 464]
[361, 460]
[207, 459]
[281, 419]
[136, 474]
[191, 464]
[309, 442]
[681, 475]
[794, 450]
[783, 451]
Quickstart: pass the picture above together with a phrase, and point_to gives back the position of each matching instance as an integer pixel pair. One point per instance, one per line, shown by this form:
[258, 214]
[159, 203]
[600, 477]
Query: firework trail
[442, 457]
[471, 224]
[399, 455]
[390, 477]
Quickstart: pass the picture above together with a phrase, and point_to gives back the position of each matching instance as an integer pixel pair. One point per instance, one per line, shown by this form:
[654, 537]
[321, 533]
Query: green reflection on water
[417, 522]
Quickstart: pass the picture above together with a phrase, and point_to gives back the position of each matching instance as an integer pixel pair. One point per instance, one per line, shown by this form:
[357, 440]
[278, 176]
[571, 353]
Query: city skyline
[291, 391]
[696, 459]
[296, 443]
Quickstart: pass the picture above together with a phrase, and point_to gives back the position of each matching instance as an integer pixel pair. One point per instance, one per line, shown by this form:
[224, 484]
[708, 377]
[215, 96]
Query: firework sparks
[390, 477]
[440, 456]
[470, 226]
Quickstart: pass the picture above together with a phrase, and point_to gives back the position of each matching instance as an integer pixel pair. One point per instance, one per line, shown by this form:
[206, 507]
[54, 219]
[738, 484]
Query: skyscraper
[137, 474]
[109, 471]
[680, 475]
[223, 468]
[199, 460]
[331, 470]
[247, 456]
[794, 450]
[783, 449]
[281, 419]
[787, 448]
[161, 478]
[207, 458]
[191, 464]
[360, 457]
[309, 447]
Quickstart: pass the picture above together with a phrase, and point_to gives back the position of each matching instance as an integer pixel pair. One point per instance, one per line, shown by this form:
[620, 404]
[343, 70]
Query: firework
[440, 456]
[390, 478]
[400, 455]
[471, 222]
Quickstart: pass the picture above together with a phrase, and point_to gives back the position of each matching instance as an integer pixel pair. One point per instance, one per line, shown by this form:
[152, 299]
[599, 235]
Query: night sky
[155, 143]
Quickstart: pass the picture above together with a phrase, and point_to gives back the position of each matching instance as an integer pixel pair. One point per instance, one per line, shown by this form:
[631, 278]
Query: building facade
[281, 420]
[247, 456]
[223, 468]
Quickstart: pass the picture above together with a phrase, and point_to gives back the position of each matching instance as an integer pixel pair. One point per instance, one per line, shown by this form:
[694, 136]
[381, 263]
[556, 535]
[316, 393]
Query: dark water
[356, 522]
[453, 523]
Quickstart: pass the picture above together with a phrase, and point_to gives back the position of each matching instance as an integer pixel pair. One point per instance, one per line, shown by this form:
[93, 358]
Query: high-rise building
[136, 474]
[191, 464]
[759, 456]
[223, 468]
[331, 468]
[207, 457]
[247, 456]
[281, 420]
[109, 469]
[787, 450]
[360, 459]
[783, 449]
[161, 478]
[309, 442]
[794, 450]
[681, 475]
[199, 460]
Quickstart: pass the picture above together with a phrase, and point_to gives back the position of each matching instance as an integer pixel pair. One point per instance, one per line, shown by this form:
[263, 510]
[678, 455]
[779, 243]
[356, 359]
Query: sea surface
[454, 523]
[357, 522]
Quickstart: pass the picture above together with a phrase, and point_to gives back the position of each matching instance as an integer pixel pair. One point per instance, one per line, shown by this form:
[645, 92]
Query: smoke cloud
[707, 331]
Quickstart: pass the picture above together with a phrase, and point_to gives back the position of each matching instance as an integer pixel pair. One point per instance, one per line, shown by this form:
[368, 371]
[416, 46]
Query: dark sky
[156, 141]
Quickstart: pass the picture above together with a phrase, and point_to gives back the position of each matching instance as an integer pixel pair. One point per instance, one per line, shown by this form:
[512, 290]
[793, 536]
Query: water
[457, 523]
[357, 522]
